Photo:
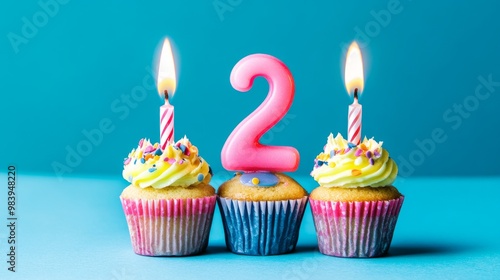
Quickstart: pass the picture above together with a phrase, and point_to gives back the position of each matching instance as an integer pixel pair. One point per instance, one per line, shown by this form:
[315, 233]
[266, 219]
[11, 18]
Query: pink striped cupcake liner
[173, 227]
[360, 229]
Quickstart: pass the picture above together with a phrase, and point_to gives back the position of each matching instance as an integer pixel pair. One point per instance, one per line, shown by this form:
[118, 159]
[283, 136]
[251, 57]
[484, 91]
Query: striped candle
[166, 124]
[354, 121]
[354, 82]
[166, 84]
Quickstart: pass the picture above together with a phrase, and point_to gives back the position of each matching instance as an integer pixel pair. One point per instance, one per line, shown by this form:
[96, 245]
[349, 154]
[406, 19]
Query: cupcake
[169, 204]
[355, 207]
[261, 213]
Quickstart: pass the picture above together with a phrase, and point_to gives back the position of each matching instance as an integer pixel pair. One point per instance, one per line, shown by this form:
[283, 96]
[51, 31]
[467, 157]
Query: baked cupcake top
[179, 165]
[346, 165]
[285, 188]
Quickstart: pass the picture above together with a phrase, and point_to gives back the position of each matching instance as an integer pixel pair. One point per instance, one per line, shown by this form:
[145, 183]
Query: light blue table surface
[449, 228]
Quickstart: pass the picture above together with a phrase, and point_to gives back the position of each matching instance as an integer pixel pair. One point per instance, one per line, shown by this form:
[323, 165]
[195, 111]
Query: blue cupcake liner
[261, 227]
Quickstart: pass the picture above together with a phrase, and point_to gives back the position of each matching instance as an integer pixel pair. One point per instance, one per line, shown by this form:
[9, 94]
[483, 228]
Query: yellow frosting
[343, 164]
[178, 165]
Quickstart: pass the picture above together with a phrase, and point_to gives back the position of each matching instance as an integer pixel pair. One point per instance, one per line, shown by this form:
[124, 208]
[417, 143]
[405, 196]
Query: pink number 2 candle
[242, 150]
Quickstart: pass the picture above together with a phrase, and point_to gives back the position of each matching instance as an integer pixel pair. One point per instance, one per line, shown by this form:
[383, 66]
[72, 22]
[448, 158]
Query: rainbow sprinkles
[177, 165]
[343, 163]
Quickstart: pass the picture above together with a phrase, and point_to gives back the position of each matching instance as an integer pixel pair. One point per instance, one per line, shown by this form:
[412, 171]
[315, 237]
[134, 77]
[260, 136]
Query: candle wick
[356, 94]
[166, 97]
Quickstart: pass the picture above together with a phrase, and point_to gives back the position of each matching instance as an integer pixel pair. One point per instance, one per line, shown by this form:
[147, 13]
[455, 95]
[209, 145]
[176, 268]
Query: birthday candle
[166, 83]
[354, 82]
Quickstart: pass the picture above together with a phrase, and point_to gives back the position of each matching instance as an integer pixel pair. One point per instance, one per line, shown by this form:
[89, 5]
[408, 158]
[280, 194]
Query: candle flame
[354, 69]
[166, 79]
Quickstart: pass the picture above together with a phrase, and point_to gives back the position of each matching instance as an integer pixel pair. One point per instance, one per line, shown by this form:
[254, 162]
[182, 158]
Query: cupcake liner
[169, 227]
[355, 229]
[261, 227]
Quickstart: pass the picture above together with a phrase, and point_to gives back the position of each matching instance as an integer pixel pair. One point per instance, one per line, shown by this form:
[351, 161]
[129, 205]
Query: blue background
[75, 229]
[82, 59]
[81, 63]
